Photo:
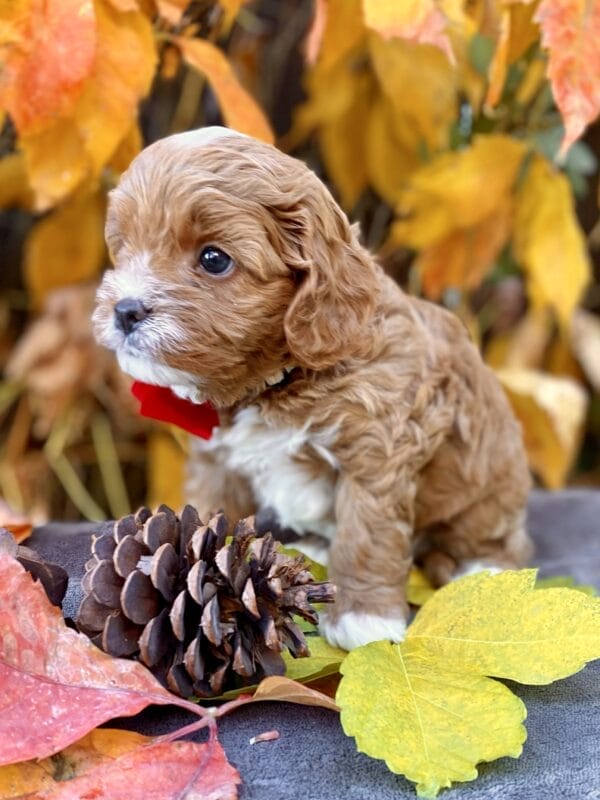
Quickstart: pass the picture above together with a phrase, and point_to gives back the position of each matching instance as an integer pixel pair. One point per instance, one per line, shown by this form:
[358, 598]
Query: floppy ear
[338, 282]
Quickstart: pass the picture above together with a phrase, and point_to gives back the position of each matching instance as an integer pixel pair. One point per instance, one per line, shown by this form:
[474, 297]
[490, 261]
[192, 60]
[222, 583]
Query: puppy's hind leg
[486, 536]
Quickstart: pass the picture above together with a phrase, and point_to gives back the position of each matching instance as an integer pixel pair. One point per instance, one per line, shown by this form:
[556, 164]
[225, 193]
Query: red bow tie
[159, 402]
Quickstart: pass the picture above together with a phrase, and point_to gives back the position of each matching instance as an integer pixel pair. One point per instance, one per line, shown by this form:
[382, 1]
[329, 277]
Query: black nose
[128, 313]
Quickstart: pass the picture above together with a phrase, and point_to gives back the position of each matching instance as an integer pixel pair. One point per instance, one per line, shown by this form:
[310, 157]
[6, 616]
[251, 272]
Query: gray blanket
[314, 760]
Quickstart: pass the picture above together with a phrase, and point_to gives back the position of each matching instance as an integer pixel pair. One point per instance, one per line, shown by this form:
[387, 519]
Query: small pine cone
[203, 613]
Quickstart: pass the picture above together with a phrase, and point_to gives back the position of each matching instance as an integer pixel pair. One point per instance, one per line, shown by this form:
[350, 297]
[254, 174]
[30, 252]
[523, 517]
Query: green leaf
[565, 582]
[427, 721]
[498, 625]
[323, 660]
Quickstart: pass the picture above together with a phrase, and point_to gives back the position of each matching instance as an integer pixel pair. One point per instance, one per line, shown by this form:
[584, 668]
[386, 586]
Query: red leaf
[55, 685]
[51, 52]
[570, 31]
[168, 771]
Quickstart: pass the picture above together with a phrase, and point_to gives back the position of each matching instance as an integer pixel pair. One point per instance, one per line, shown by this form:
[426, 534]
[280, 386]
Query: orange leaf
[570, 32]
[420, 21]
[84, 142]
[51, 56]
[19, 525]
[165, 771]
[240, 110]
[288, 691]
[14, 186]
[463, 258]
[55, 685]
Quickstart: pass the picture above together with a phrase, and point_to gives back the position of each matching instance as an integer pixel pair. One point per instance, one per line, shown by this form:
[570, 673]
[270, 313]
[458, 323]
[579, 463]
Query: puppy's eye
[215, 261]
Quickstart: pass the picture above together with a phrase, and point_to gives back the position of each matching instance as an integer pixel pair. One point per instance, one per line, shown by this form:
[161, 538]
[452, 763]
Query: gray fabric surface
[314, 760]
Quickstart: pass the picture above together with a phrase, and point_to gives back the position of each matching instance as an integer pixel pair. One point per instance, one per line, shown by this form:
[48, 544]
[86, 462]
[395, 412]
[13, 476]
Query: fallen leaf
[497, 625]
[55, 685]
[570, 31]
[18, 524]
[164, 771]
[267, 736]
[420, 21]
[323, 660]
[38, 81]
[240, 110]
[172, 10]
[429, 706]
[418, 588]
[426, 719]
[565, 582]
[548, 241]
[552, 412]
[32, 777]
[288, 691]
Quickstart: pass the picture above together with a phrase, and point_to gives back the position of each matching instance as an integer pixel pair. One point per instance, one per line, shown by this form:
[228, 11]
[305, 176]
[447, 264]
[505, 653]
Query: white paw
[354, 629]
[473, 567]
[186, 392]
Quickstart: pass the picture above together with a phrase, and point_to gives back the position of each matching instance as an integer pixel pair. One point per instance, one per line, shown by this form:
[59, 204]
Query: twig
[110, 466]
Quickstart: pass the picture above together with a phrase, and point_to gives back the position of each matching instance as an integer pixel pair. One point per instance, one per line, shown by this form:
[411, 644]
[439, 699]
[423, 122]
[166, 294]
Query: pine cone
[204, 615]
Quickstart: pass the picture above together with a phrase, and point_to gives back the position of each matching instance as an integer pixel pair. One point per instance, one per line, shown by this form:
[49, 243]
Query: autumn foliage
[451, 130]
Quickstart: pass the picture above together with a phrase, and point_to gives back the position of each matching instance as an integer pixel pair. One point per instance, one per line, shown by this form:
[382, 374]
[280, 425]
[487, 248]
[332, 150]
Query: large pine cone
[205, 615]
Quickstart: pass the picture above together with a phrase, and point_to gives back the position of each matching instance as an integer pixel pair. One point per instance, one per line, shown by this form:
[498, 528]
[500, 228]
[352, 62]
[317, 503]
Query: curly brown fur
[354, 410]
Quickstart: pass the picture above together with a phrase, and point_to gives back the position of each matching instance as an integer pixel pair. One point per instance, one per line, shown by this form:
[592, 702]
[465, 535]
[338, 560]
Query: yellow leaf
[418, 589]
[548, 241]
[427, 719]
[231, 9]
[552, 413]
[421, 86]
[239, 108]
[420, 21]
[343, 141]
[517, 34]
[82, 143]
[389, 161]
[34, 777]
[338, 28]
[65, 247]
[128, 149]
[165, 467]
[14, 186]
[499, 625]
[323, 660]
[463, 258]
[458, 190]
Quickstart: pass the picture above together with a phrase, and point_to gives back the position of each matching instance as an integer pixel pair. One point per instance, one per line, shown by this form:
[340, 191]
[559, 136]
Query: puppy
[349, 409]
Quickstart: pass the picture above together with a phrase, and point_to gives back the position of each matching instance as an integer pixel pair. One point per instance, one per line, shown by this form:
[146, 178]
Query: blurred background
[458, 133]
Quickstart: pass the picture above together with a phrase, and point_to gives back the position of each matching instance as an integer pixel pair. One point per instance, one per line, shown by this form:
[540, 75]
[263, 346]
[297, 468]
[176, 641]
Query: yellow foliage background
[450, 129]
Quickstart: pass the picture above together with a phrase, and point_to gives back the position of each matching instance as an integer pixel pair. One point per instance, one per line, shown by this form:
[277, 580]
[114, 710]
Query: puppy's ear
[338, 282]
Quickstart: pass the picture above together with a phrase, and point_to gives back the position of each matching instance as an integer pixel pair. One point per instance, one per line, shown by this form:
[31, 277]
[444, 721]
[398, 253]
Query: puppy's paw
[354, 628]
[474, 566]
[185, 392]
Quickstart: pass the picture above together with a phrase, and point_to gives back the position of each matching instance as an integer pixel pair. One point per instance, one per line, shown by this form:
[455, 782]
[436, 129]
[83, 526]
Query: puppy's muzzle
[129, 312]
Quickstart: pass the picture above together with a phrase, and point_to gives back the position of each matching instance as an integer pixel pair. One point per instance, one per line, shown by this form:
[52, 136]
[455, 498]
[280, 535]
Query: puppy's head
[232, 262]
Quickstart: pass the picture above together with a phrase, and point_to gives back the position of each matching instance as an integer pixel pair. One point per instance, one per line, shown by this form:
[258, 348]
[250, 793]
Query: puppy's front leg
[369, 563]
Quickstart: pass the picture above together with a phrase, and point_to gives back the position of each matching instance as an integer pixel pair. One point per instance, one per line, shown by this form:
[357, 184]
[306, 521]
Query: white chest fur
[266, 456]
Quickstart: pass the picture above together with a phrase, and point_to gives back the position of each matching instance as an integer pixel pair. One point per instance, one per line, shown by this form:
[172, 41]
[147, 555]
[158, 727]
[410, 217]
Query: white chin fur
[148, 371]
[354, 629]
